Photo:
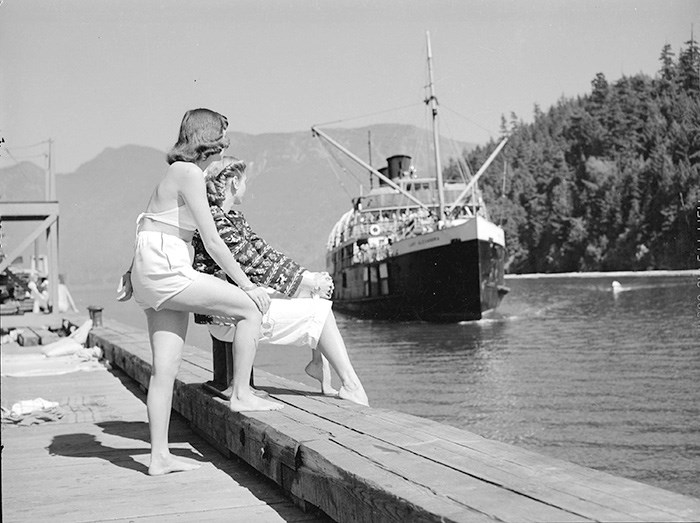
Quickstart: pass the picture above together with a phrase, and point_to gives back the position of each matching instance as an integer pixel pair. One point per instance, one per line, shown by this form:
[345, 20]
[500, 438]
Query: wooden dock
[90, 465]
[364, 464]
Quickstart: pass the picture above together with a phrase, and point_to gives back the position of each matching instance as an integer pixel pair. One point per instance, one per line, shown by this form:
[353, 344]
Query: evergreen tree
[605, 181]
[689, 68]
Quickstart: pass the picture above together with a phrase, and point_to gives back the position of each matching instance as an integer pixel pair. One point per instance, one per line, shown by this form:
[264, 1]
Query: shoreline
[603, 274]
[591, 274]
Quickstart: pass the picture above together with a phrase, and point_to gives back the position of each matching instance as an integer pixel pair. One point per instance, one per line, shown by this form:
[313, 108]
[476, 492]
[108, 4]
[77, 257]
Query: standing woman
[168, 288]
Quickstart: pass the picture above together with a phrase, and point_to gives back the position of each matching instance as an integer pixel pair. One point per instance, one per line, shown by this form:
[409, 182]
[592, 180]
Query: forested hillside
[606, 181]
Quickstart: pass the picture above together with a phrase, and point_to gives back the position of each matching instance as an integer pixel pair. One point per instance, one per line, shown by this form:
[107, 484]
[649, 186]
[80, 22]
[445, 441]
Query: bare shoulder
[185, 169]
[185, 173]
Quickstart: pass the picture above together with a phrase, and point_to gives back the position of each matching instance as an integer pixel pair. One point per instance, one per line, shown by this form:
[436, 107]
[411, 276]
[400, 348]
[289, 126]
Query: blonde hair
[217, 175]
[202, 134]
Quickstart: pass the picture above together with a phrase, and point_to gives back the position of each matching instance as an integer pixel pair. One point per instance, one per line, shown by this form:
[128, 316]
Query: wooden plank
[386, 423]
[277, 512]
[390, 423]
[498, 503]
[583, 491]
[348, 487]
[270, 443]
[28, 210]
[467, 489]
[46, 225]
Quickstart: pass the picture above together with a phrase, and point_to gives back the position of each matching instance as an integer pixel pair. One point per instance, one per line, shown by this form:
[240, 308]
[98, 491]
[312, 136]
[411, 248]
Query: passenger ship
[416, 248]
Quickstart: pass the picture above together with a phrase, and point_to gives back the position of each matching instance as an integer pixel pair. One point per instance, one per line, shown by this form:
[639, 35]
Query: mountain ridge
[293, 199]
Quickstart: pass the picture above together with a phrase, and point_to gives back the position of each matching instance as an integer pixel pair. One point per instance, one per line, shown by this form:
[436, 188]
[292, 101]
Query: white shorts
[162, 268]
[295, 322]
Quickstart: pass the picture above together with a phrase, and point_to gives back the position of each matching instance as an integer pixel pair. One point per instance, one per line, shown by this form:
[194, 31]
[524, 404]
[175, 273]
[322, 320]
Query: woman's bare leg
[319, 369]
[243, 397]
[210, 295]
[167, 330]
[332, 346]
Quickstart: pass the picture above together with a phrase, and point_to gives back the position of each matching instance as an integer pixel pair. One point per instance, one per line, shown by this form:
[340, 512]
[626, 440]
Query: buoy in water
[616, 286]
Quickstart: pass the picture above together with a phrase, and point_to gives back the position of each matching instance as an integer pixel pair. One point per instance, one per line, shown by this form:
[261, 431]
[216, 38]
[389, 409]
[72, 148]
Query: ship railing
[414, 226]
[371, 253]
[409, 226]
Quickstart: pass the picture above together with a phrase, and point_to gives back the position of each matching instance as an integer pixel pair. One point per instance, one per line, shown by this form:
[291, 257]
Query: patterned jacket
[262, 264]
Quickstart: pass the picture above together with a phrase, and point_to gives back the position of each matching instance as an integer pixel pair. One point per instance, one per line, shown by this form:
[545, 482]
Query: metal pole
[432, 100]
[369, 148]
[52, 237]
[481, 171]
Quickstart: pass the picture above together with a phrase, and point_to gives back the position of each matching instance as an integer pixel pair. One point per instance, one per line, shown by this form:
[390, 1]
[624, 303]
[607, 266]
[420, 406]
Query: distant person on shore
[39, 291]
[300, 311]
[168, 288]
[65, 299]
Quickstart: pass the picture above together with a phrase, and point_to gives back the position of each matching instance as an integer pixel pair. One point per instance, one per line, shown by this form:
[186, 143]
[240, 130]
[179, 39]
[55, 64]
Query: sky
[92, 74]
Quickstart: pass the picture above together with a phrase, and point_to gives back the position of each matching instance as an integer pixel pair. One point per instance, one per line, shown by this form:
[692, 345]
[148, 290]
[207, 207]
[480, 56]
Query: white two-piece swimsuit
[162, 262]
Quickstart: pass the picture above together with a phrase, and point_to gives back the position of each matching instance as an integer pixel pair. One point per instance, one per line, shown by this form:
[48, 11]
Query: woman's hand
[124, 290]
[260, 298]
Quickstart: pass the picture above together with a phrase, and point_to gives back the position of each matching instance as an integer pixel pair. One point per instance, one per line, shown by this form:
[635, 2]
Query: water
[566, 368]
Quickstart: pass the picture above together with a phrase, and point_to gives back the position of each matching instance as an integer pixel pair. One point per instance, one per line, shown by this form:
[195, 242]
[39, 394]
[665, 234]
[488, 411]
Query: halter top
[178, 216]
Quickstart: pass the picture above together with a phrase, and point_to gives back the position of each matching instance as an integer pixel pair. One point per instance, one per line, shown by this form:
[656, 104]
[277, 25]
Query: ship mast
[432, 101]
[317, 132]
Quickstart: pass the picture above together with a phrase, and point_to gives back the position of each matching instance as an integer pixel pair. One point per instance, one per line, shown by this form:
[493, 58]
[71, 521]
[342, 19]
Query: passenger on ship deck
[293, 318]
[166, 286]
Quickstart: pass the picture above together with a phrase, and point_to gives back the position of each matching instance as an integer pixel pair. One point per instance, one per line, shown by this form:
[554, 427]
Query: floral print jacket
[262, 264]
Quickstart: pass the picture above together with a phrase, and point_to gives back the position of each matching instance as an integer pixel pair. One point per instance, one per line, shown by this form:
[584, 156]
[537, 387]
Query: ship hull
[457, 280]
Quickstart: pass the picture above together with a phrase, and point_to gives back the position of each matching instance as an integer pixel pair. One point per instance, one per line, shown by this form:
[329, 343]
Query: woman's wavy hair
[202, 134]
[216, 177]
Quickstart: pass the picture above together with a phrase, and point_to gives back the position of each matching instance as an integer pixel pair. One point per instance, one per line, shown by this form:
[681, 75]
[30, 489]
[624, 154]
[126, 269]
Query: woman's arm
[262, 263]
[192, 188]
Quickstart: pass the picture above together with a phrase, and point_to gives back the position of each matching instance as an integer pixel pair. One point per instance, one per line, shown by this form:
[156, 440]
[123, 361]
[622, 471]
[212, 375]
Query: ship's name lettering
[428, 240]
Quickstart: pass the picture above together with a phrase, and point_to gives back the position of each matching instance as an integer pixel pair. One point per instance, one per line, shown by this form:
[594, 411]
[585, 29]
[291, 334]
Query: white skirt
[295, 322]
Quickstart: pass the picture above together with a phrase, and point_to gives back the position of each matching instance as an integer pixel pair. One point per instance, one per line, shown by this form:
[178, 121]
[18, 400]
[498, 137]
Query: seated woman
[293, 318]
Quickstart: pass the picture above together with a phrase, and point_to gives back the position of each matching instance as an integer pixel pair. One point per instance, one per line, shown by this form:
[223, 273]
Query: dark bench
[222, 358]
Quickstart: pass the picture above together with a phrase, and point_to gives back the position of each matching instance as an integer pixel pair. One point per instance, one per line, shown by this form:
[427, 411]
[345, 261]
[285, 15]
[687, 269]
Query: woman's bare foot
[321, 371]
[250, 402]
[168, 464]
[355, 393]
[229, 392]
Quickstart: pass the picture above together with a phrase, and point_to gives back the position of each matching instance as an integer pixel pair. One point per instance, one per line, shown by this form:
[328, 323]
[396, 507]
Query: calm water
[566, 368]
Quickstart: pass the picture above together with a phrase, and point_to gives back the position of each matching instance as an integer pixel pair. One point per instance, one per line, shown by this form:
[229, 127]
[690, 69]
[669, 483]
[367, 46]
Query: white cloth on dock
[35, 364]
[32, 412]
[27, 406]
